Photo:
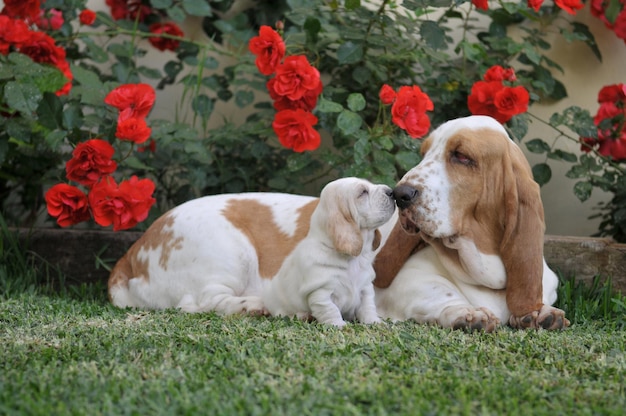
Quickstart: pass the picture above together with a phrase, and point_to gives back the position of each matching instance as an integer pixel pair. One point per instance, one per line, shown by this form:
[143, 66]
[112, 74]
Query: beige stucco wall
[583, 77]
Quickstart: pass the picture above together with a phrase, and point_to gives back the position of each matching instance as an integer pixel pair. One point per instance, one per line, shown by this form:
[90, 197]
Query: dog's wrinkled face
[456, 178]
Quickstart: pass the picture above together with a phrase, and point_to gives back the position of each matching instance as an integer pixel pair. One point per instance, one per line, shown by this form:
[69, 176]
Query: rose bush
[321, 89]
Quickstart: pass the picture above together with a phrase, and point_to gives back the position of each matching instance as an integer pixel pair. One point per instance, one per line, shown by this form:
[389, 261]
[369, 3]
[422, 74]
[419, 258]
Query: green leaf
[327, 106]
[149, 72]
[537, 146]
[197, 8]
[559, 154]
[362, 148]
[407, 160]
[349, 122]
[203, 105]
[50, 111]
[312, 27]
[542, 173]
[356, 102]
[161, 4]
[582, 190]
[73, 116]
[55, 139]
[350, 53]
[95, 52]
[352, 4]
[177, 13]
[243, 98]
[433, 35]
[24, 98]
[583, 31]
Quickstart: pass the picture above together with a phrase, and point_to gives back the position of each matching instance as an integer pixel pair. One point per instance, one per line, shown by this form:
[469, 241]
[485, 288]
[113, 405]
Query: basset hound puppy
[329, 274]
[465, 251]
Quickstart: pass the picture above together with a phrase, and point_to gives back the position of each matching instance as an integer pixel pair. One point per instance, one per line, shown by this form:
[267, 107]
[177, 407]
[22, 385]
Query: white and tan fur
[329, 274]
[467, 251]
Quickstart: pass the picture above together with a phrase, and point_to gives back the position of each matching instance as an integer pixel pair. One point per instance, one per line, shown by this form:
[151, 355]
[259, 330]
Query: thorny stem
[562, 133]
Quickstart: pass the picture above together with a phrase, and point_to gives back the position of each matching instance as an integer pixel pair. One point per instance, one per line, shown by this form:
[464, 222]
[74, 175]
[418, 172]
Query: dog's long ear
[521, 248]
[342, 227]
[399, 246]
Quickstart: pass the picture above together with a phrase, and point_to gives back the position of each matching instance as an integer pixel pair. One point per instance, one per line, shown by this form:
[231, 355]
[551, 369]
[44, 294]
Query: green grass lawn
[69, 352]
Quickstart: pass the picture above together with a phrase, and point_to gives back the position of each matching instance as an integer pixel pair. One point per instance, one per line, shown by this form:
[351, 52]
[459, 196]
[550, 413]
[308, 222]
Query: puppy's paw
[370, 320]
[475, 319]
[548, 317]
[253, 305]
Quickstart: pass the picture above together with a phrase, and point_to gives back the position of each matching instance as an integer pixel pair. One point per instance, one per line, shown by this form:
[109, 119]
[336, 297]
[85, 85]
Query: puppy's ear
[342, 227]
[345, 234]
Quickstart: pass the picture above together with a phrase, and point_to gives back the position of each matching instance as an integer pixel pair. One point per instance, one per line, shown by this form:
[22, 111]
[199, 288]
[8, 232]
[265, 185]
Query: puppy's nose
[388, 192]
[404, 196]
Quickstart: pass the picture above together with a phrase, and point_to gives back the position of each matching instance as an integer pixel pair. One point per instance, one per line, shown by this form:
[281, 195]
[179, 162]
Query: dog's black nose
[404, 195]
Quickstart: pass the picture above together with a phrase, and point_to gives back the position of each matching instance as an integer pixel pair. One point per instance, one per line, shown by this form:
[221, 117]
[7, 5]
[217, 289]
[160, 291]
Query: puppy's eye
[364, 192]
[461, 159]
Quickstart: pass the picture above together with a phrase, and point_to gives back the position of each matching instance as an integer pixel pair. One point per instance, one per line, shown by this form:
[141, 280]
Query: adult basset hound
[465, 251]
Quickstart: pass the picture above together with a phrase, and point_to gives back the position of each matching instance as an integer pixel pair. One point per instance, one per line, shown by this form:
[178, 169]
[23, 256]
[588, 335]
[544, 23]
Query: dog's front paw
[253, 305]
[371, 320]
[476, 319]
[548, 317]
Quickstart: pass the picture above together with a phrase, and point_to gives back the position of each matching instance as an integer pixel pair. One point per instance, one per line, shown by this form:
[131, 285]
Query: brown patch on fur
[131, 267]
[257, 223]
[399, 246]
[377, 238]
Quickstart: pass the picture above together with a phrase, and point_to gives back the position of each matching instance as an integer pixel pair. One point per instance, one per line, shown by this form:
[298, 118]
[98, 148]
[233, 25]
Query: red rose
[138, 97]
[91, 160]
[124, 206]
[22, 9]
[294, 129]
[616, 149]
[269, 49]
[620, 25]
[498, 73]
[12, 33]
[535, 4]
[129, 9]
[511, 101]
[306, 103]
[409, 111]
[42, 49]
[295, 77]
[481, 99]
[50, 19]
[132, 129]
[161, 43]
[68, 204]
[481, 4]
[570, 6]
[612, 93]
[87, 17]
[387, 94]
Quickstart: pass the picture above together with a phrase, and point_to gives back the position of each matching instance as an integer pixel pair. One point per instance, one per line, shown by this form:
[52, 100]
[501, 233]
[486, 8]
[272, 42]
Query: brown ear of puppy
[345, 235]
[342, 228]
[397, 249]
[521, 248]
